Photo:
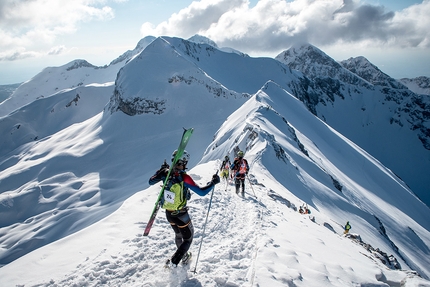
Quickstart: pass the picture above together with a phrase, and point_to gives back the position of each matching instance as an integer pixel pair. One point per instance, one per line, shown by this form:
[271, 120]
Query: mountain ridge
[355, 104]
[79, 176]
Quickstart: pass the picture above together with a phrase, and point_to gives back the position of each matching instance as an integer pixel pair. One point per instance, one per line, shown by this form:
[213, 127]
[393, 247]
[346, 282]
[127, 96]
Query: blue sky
[391, 34]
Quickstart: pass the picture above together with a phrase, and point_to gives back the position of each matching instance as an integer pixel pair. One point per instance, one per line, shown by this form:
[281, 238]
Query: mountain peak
[371, 73]
[310, 60]
[199, 39]
[141, 45]
[144, 42]
[76, 64]
[301, 53]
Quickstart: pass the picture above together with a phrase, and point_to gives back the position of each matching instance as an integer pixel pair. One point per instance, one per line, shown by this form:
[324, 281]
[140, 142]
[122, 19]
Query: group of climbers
[177, 192]
[178, 187]
[239, 168]
[304, 209]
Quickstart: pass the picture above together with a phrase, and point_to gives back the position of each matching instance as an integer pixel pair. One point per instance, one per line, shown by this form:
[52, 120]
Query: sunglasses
[181, 162]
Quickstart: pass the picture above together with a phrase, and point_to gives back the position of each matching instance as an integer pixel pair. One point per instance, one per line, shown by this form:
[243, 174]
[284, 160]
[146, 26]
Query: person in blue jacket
[176, 195]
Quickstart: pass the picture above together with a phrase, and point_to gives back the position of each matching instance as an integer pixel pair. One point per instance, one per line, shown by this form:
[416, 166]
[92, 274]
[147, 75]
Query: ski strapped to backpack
[185, 138]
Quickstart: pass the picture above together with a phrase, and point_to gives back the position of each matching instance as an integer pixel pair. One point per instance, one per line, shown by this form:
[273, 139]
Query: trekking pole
[204, 228]
[251, 185]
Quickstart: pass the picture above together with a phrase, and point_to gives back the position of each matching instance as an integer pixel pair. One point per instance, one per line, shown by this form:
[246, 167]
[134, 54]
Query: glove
[164, 168]
[164, 165]
[215, 179]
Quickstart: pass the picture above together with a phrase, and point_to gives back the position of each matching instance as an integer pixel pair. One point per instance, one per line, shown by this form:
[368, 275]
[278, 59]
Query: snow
[419, 85]
[375, 111]
[74, 203]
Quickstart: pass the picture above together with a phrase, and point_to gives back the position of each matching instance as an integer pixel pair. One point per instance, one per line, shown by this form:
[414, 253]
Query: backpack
[175, 196]
[225, 164]
[240, 166]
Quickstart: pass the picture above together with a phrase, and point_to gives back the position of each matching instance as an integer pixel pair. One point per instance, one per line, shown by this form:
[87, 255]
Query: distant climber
[240, 169]
[225, 168]
[304, 209]
[347, 228]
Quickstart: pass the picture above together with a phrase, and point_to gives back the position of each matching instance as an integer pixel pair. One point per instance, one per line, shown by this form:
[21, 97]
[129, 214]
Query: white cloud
[57, 50]
[199, 16]
[17, 54]
[39, 22]
[275, 24]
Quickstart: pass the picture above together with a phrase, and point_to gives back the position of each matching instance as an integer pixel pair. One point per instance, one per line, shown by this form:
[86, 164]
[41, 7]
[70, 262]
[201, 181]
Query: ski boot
[186, 258]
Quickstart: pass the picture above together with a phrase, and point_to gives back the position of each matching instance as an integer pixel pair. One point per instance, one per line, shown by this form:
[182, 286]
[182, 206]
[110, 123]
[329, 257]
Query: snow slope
[419, 85]
[52, 114]
[77, 73]
[251, 241]
[74, 202]
[375, 111]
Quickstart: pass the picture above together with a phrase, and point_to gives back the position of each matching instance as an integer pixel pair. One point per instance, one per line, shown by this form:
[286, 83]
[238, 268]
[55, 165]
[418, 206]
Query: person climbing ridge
[174, 202]
[225, 168]
[240, 169]
[347, 228]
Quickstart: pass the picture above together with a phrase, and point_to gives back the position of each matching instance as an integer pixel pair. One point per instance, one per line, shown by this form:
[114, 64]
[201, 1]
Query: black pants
[184, 232]
[240, 180]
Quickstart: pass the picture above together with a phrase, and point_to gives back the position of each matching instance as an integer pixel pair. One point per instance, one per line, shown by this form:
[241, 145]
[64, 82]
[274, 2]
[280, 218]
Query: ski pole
[251, 185]
[204, 228]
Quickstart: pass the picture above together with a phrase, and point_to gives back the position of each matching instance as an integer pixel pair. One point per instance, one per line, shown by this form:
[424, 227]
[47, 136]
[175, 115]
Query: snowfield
[75, 198]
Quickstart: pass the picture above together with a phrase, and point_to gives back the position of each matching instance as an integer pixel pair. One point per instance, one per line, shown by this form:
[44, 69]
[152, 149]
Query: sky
[393, 35]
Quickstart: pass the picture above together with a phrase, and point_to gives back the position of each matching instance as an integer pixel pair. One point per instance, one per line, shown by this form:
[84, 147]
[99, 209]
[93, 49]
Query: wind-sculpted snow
[46, 116]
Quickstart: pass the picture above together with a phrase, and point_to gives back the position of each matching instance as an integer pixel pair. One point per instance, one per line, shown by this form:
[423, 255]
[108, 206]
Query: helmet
[185, 156]
[227, 157]
[240, 153]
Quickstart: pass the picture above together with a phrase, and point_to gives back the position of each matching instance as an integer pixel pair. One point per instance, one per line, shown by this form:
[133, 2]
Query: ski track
[227, 257]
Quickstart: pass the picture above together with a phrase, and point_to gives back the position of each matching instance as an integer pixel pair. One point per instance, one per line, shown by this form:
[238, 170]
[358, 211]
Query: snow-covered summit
[77, 73]
[199, 39]
[366, 70]
[316, 64]
[186, 64]
[141, 45]
[53, 80]
[360, 101]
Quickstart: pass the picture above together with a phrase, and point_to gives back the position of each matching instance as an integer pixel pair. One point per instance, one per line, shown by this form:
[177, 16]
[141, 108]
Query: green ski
[185, 138]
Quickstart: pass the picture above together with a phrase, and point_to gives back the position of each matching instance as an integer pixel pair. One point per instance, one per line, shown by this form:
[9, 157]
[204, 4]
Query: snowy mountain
[361, 67]
[199, 39]
[7, 90]
[74, 199]
[419, 85]
[366, 105]
[77, 73]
